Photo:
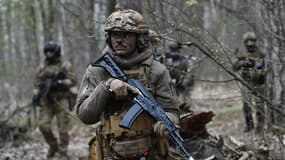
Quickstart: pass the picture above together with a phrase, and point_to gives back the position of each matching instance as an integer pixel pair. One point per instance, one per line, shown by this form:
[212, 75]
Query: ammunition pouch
[93, 151]
[254, 76]
[130, 143]
[142, 127]
[131, 148]
[96, 146]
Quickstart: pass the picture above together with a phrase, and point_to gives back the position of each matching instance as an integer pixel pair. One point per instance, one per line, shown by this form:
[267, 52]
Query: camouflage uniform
[252, 69]
[154, 39]
[96, 103]
[55, 103]
[180, 67]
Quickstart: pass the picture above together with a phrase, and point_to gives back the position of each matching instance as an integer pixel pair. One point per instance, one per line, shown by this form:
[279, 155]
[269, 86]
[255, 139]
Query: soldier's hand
[54, 83]
[241, 57]
[159, 129]
[247, 63]
[121, 89]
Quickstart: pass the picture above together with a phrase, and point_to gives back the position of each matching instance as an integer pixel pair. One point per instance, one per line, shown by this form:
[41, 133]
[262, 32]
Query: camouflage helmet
[248, 36]
[126, 20]
[153, 36]
[52, 47]
[174, 45]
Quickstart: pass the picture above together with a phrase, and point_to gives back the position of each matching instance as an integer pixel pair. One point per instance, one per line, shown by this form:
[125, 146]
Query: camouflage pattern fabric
[251, 102]
[252, 70]
[55, 104]
[180, 72]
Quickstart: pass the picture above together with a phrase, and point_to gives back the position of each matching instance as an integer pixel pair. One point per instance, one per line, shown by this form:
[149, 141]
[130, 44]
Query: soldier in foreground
[54, 78]
[105, 99]
[252, 69]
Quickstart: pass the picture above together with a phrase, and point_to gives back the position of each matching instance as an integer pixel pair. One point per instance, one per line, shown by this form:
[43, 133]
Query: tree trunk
[110, 6]
[49, 13]
[275, 48]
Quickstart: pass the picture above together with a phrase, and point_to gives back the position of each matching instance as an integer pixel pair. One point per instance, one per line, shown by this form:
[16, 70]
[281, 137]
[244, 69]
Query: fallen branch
[15, 112]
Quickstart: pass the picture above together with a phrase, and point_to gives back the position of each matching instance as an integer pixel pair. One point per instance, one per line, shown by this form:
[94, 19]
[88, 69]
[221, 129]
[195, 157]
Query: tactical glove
[54, 83]
[246, 63]
[120, 89]
[159, 128]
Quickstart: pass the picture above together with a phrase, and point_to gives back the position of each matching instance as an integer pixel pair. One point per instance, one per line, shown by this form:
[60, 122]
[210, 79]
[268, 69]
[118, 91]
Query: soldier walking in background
[180, 71]
[252, 69]
[154, 40]
[54, 78]
[105, 99]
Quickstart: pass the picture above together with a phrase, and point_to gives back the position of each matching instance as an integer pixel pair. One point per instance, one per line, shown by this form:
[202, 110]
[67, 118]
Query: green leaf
[191, 2]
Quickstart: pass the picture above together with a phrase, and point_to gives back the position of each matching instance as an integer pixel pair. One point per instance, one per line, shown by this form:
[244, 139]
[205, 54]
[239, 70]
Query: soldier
[104, 99]
[53, 80]
[153, 43]
[252, 69]
[180, 72]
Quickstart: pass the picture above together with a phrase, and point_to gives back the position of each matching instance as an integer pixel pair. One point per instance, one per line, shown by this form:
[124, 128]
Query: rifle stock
[142, 102]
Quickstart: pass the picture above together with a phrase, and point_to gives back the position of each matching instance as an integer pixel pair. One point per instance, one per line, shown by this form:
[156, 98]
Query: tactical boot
[249, 123]
[248, 117]
[51, 152]
[259, 127]
[248, 128]
[63, 156]
[260, 122]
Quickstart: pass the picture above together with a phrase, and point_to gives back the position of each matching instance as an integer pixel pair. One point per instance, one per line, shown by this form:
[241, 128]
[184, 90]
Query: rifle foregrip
[130, 117]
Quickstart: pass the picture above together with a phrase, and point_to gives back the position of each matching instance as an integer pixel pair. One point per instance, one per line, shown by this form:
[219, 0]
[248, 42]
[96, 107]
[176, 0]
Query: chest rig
[112, 118]
[49, 71]
[132, 142]
[256, 73]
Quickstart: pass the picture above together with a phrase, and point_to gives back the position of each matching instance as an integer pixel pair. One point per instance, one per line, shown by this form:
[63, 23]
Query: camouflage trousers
[184, 98]
[250, 102]
[58, 109]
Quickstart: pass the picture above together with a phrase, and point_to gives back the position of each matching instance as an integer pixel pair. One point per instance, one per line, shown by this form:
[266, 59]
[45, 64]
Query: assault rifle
[249, 62]
[143, 101]
[258, 63]
[46, 86]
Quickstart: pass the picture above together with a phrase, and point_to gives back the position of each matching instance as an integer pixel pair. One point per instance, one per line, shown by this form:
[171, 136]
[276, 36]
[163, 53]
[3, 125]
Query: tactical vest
[255, 74]
[127, 143]
[50, 71]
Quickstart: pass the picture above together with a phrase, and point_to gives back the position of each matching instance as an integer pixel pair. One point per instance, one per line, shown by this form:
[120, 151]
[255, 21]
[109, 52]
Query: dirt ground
[227, 123]
[31, 146]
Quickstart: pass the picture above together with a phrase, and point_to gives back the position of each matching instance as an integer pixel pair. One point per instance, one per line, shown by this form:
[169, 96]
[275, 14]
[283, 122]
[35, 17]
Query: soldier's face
[50, 54]
[153, 43]
[123, 43]
[250, 45]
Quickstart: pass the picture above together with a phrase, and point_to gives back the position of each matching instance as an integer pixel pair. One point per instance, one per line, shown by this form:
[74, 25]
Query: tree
[274, 27]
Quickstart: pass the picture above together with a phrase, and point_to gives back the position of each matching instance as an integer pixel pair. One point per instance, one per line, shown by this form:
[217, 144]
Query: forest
[210, 31]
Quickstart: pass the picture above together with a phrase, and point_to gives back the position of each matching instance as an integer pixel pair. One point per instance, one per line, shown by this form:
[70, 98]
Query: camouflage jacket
[252, 68]
[179, 67]
[94, 98]
[59, 68]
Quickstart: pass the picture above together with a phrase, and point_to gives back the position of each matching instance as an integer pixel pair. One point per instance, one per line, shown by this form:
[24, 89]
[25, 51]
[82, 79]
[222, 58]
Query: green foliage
[191, 2]
[227, 114]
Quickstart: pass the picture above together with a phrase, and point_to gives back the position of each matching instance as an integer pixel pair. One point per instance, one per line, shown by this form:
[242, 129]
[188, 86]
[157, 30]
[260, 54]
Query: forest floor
[227, 123]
